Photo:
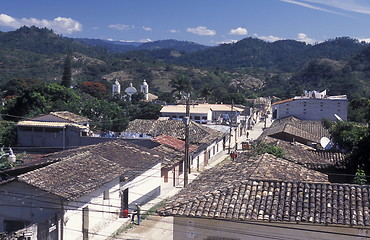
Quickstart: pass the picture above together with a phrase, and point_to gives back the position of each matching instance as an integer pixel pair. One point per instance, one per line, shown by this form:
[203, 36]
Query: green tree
[207, 92]
[45, 97]
[67, 72]
[262, 148]
[346, 135]
[181, 85]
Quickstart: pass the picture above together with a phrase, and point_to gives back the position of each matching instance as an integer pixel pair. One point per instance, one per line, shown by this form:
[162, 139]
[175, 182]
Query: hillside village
[84, 159]
[84, 185]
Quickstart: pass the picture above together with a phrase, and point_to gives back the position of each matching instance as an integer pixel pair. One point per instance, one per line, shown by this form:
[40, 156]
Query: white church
[144, 88]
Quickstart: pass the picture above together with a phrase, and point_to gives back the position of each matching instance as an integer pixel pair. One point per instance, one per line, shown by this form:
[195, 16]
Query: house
[54, 132]
[204, 113]
[292, 129]
[63, 116]
[74, 197]
[310, 157]
[268, 198]
[257, 209]
[209, 142]
[314, 106]
[172, 167]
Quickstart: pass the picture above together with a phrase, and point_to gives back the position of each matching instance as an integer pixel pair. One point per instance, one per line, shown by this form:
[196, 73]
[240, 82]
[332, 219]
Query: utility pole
[231, 125]
[186, 121]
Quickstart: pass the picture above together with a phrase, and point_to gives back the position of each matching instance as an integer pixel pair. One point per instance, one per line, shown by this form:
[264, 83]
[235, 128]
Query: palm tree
[181, 85]
[207, 92]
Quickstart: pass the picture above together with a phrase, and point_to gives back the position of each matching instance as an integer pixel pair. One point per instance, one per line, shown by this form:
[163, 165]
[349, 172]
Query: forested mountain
[119, 47]
[247, 68]
[284, 55]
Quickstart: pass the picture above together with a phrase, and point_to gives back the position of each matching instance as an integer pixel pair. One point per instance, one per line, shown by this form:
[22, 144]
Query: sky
[207, 22]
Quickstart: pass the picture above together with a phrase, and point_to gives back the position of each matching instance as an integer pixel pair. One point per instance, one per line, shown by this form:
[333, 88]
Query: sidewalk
[256, 131]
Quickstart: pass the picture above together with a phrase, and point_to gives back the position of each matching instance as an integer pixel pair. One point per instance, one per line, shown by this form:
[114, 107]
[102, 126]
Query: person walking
[137, 213]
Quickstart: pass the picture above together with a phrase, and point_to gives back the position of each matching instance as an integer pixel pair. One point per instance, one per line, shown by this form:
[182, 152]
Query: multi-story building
[314, 106]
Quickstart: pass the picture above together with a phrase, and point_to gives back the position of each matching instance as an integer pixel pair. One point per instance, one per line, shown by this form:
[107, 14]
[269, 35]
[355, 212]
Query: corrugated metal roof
[70, 116]
[173, 143]
[49, 124]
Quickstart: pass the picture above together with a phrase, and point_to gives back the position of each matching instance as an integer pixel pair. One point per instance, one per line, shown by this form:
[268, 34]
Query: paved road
[153, 228]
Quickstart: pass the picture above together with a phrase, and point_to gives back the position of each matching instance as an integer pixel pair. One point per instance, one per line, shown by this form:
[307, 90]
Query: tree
[95, 89]
[67, 72]
[346, 135]
[44, 97]
[181, 85]
[206, 92]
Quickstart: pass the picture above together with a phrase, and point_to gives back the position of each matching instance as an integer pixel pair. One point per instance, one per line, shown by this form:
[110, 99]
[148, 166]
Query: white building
[116, 88]
[203, 113]
[77, 196]
[314, 106]
[144, 88]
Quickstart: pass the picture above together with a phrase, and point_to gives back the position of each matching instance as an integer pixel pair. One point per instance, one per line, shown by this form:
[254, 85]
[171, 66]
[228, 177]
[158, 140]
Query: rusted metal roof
[173, 143]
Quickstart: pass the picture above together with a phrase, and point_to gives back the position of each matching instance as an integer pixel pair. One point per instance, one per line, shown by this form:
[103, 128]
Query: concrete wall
[21, 202]
[60, 139]
[198, 228]
[312, 109]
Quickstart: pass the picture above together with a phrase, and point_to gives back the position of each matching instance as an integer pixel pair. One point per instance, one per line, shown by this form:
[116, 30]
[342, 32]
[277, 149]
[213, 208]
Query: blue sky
[207, 22]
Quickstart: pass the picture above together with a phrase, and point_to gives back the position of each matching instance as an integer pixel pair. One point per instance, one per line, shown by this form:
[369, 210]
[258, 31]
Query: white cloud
[367, 40]
[238, 31]
[359, 6]
[202, 31]
[121, 27]
[147, 28]
[174, 31]
[304, 38]
[59, 25]
[228, 41]
[141, 40]
[268, 38]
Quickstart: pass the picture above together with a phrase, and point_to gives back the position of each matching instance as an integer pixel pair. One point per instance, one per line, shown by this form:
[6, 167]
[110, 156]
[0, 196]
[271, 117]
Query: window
[204, 117]
[106, 195]
[197, 117]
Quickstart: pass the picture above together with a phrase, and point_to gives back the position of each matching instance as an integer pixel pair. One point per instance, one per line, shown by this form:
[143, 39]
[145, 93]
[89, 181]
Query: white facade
[91, 212]
[314, 107]
[116, 88]
[144, 88]
[201, 113]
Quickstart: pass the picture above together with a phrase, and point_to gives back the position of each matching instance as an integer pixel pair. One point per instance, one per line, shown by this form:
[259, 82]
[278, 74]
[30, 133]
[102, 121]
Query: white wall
[101, 211]
[313, 109]
[22, 202]
[144, 187]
